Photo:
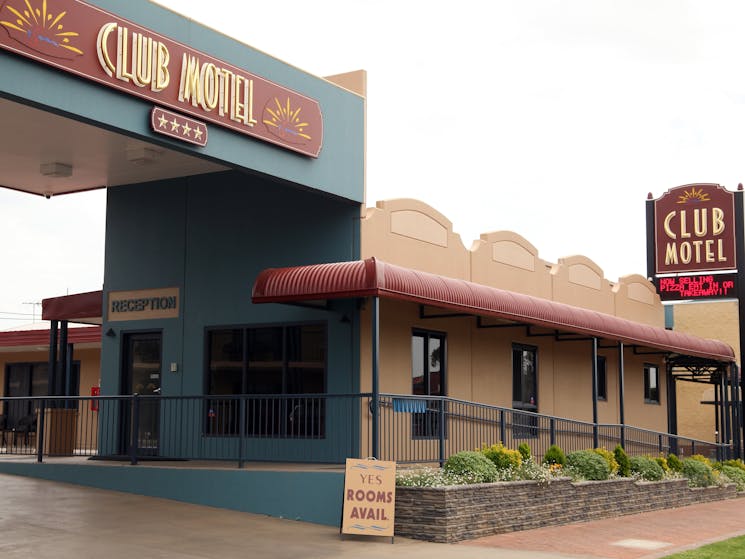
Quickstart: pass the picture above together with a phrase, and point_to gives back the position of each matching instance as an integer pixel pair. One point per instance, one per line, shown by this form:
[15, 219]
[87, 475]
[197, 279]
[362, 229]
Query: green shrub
[674, 463]
[622, 459]
[698, 472]
[609, 457]
[524, 450]
[646, 468]
[471, 463]
[588, 464]
[554, 455]
[703, 459]
[735, 475]
[733, 463]
[502, 457]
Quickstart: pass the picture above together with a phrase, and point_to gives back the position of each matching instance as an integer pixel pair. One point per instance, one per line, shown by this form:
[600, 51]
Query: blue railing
[318, 428]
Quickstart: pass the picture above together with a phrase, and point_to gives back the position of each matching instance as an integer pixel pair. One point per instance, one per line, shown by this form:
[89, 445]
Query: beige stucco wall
[710, 320]
[479, 360]
[90, 367]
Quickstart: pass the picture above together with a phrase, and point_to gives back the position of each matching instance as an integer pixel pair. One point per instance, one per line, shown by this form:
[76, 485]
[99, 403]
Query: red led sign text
[678, 288]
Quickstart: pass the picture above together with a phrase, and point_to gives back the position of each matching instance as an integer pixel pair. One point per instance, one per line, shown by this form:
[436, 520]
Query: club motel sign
[96, 45]
[695, 229]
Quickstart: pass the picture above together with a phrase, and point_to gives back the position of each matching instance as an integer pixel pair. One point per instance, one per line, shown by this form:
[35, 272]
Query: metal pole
[62, 372]
[734, 411]
[727, 434]
[672, 407]
[134, 435]
[595, 439]
[739, 196]
[375, 376]
[621, 387]
[51, 376]
[40, 433]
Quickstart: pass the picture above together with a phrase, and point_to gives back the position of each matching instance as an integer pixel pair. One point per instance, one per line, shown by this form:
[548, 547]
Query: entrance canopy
[373, 278]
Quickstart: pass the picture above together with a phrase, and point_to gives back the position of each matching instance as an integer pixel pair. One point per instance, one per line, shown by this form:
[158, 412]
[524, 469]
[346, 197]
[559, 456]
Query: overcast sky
[553, 119]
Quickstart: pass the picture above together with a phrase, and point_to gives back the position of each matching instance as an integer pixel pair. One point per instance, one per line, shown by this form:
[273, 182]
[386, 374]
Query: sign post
[369, 498]
[696, 252]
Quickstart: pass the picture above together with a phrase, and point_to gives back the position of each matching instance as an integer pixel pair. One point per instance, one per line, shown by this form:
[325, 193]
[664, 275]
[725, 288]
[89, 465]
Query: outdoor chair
[25, 427]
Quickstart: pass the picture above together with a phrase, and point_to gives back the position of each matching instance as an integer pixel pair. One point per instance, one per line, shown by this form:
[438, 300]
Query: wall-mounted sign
[692, 287]
[143, 304]
[97, 45]
[178, 126]
[369, 498]
[694, 230]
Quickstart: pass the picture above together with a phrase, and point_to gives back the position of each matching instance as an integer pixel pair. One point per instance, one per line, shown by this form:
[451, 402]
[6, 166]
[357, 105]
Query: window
[268, 361]
[427, 379]
[602, 379]
[31, 379]
[524, 390]
[651, 385]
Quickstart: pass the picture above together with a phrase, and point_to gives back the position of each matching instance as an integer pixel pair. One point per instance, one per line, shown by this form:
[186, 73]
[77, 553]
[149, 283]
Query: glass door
[142, 375]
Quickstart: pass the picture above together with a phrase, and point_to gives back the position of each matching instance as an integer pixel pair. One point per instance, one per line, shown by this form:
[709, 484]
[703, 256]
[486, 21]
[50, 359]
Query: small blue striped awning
[409, 406]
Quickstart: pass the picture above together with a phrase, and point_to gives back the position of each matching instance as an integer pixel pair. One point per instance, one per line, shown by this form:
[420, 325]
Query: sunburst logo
[37, 27]
[693, 195]
[284, 122]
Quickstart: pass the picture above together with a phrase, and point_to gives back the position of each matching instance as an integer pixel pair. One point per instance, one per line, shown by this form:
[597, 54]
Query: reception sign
[96, 45]
[369, 498]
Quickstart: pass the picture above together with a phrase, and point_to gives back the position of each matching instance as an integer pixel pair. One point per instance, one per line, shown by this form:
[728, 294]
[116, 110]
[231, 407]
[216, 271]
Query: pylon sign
[692, 243]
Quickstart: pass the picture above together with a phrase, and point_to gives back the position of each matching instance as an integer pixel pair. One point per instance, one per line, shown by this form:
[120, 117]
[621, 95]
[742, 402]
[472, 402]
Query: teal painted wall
[210, 236]
[308, 496]
[338, 171]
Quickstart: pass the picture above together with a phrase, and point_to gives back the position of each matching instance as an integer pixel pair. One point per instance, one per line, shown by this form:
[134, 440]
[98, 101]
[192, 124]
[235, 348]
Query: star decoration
[187, 129]
[198, 133]
[174, 125]
[162, 120]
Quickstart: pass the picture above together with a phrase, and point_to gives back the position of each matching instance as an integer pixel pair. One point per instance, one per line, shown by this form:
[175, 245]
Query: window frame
[602, 378]
[227, 405]
[426, 425]
[519, 404]
[648, 399]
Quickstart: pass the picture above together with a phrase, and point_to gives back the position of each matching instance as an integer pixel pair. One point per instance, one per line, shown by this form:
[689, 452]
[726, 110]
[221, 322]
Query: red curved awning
[80, 307]
[373, 278]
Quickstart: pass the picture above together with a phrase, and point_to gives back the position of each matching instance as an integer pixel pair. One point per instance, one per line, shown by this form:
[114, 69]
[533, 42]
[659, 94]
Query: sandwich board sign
[369, 497]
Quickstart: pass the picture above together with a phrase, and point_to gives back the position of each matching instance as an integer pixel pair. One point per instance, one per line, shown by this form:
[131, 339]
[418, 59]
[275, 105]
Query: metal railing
[320, 428]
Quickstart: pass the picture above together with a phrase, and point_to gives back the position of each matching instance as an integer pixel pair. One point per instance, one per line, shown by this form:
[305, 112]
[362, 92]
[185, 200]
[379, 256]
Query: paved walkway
[55, 520]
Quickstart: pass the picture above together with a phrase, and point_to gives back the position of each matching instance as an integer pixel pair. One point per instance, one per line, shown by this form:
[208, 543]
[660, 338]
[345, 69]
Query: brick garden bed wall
[451, 514]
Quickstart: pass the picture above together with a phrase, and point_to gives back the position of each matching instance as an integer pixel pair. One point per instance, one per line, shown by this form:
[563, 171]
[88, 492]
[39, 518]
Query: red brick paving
[682, 528]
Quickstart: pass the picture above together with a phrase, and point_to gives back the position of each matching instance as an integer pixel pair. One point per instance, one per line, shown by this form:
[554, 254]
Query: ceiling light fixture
[143, 155]
[55, 169]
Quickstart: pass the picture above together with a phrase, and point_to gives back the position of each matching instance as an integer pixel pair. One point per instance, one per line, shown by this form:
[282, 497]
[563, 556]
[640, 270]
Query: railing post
[552, 432]
[623, 436]
[659, 443]
[502, 428]
[442, 431]
[40, 432]
[242, 432]
[595, 437]
[134, 434]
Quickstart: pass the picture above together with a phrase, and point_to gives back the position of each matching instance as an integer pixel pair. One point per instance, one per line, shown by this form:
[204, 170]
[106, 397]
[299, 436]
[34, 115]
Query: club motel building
[258, 322]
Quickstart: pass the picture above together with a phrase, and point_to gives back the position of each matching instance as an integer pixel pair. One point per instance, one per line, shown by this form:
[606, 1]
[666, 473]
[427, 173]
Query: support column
[735, 411]
[621, 388]
[672, 407]
[52, 369]
[726, 430]
[375, 377]
[62, 372]
[595, 438]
